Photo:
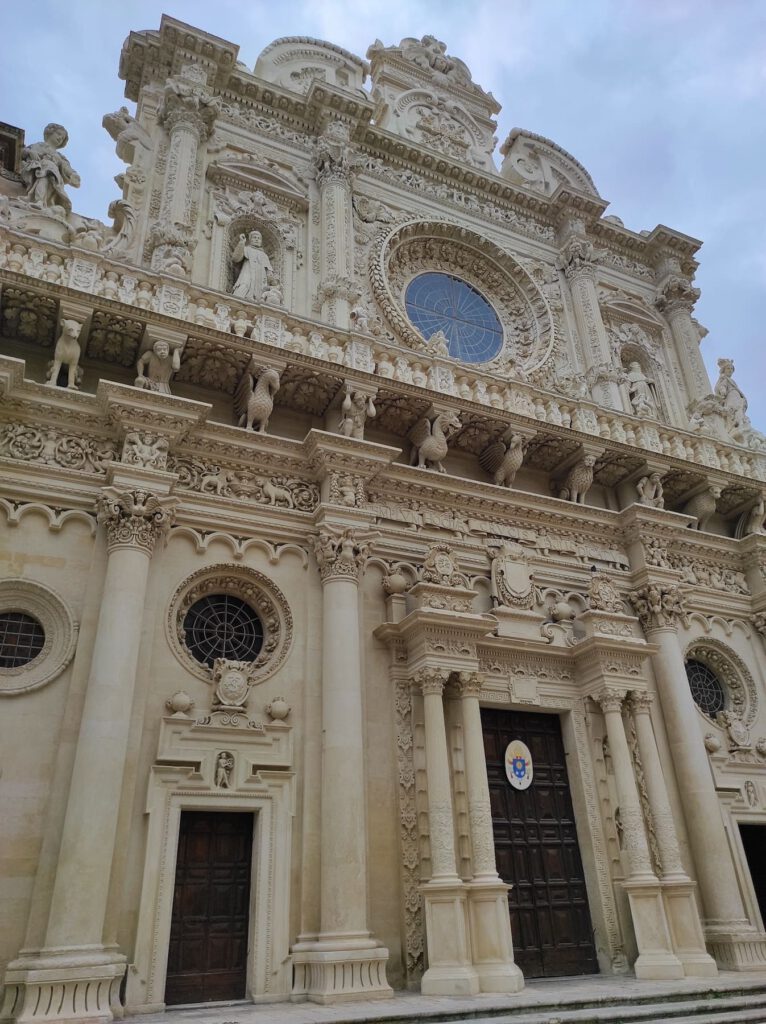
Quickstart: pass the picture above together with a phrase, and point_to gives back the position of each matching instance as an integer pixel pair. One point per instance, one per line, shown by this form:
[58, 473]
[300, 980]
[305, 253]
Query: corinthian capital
[134, 518]
[431, 680]
[340, 554]
[676, 293]
[578, 257]
[469, 684]
[189, 103]
[610, 699]
[334, 157]
[658, 605]
[640, 701]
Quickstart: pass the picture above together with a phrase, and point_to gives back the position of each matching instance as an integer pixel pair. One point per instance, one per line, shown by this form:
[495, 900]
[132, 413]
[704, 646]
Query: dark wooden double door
[207, 957]
[537, 850]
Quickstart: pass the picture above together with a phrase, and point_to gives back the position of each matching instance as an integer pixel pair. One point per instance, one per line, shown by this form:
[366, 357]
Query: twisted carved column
[659, 608]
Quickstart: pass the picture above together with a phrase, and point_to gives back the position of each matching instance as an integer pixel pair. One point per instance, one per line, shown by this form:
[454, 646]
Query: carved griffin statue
[702, 506]
[254, 397]
[503, 459]
[429, 438]
[578, 480]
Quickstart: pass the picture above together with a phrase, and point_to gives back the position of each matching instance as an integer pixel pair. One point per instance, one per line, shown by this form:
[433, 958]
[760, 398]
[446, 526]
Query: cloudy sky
[663, 101]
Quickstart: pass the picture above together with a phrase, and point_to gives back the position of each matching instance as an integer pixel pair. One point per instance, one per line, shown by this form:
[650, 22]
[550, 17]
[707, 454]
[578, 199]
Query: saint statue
[640, 390]
[731, 396]
[45, 171]
[253, 274]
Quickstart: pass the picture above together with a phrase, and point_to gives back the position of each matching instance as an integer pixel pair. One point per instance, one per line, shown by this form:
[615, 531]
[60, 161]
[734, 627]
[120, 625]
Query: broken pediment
[537, 163]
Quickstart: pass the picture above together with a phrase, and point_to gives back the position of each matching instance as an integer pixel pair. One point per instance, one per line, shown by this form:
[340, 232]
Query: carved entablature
[401, 252]
[295, 62]
[427, 96]
[537, 163]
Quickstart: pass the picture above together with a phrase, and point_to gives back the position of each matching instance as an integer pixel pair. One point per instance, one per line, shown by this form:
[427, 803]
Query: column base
[656, 959]
[79, 984]
[685, 927]
[450, 970]
[736, 946]
[329, 973]
[491, 940]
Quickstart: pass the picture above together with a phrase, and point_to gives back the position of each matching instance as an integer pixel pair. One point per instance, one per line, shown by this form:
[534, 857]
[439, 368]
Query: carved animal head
[448, 422]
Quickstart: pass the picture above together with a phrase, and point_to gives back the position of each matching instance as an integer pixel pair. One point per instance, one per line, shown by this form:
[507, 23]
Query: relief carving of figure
[357, 408]
[146, 450]
[641, 391]
[650, 491]
[223, 769]
[156, 366]
[45, 171]
[252, 278]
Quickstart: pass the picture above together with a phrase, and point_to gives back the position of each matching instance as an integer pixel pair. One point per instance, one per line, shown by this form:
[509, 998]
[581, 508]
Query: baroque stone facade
[346, 443]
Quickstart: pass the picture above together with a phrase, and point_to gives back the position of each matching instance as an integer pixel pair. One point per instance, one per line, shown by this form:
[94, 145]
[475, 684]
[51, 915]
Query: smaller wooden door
[536, 848]
[207, 957]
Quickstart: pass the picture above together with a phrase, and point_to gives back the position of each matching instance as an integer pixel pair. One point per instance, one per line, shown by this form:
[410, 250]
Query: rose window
[707, 689]
[21, 639]
[440, 302]
[222, 626]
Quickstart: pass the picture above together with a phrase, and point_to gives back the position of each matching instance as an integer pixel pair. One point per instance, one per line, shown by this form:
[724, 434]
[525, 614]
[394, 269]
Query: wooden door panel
[537, 850]
[207, 957]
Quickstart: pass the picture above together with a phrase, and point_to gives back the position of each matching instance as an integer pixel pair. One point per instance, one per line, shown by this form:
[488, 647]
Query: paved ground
[407, 1007]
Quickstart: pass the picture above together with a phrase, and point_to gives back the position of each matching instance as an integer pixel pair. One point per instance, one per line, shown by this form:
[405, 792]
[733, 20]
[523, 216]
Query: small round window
[21, 639]
[222, 626]
[440, 302]
[707, 689]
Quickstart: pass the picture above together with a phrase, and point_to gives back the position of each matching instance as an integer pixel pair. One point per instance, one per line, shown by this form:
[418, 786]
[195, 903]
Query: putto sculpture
[650, 491]
[45, 171]
[356, 409]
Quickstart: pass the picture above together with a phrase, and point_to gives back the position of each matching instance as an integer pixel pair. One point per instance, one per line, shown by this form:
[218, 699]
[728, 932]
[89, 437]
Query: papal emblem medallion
[518, 765]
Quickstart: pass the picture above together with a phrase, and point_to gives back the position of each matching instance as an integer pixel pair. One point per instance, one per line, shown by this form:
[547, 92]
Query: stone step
[738, 1009]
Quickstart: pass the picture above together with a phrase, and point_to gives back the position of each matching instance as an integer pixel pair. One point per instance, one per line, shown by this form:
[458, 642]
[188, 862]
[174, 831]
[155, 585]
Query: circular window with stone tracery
[437, 302]
[707, 689]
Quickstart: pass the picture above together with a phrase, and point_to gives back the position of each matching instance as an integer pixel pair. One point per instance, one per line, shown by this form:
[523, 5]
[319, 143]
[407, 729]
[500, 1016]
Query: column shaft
[440, 813]
[712, 856]
[686, 337]
[90, 827]
[477, 787]
[344, 841]
[181, 168]
[634, 836]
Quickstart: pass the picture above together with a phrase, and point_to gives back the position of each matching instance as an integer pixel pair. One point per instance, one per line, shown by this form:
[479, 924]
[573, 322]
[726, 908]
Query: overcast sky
[663, 101]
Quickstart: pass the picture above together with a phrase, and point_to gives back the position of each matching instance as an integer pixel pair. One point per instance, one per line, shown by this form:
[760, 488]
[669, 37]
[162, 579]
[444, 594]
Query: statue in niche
[751, 794]
[45, 171]
[223, 768]
[731, 397]
[156, 366]
[650, 491]
[252, 279]
[640, 391]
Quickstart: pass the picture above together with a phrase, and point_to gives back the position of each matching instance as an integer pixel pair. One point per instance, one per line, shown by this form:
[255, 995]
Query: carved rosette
[341, 555]
[134, 518]
[658, 606]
